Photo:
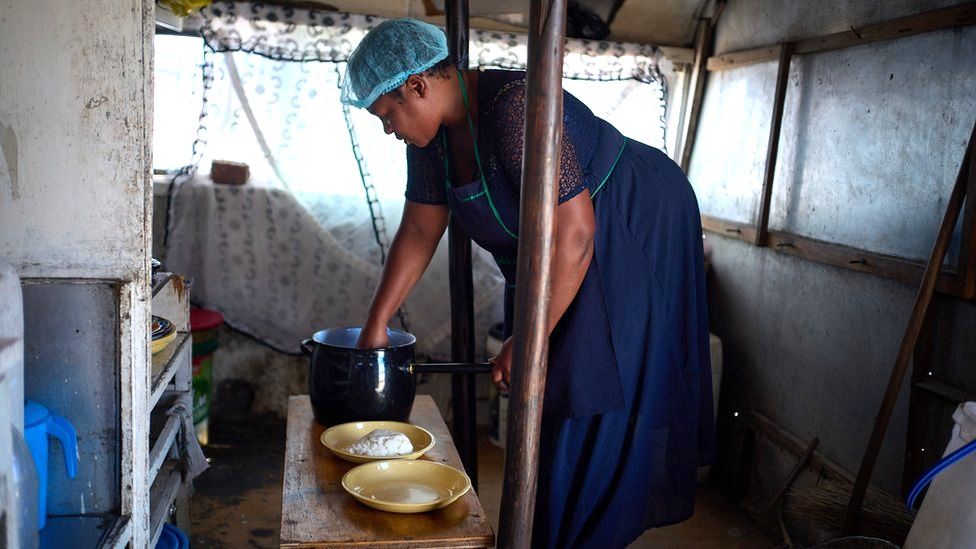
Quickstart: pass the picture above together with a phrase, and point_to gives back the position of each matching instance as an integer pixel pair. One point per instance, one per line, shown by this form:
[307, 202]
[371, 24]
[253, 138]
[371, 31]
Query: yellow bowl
[339, 438]
[161, 343]
[406, 486]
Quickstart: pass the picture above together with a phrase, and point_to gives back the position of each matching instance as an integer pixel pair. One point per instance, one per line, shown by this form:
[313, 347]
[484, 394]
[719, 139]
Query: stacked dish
[163, 333]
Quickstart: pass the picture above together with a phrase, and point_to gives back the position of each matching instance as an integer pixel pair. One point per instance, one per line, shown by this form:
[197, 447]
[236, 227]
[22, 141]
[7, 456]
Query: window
[177, 101]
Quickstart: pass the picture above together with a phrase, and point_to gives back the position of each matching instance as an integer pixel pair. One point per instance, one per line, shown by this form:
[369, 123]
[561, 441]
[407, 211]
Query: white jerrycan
[947, 518]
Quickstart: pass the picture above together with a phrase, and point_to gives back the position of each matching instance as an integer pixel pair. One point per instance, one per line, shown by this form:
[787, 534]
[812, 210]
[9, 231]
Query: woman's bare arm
[413, 247]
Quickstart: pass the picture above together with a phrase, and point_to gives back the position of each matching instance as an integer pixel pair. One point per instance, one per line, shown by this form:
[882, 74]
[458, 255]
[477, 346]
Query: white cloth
[279, 271]
[194, 462]
[947, 518]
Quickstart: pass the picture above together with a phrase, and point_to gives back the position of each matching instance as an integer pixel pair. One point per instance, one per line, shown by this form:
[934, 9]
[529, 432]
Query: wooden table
[317, 512]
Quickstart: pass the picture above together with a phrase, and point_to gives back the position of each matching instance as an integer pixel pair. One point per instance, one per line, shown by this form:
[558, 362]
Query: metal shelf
[165, 365]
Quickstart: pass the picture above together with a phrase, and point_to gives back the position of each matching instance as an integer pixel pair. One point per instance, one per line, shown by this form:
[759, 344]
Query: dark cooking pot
[346, 383]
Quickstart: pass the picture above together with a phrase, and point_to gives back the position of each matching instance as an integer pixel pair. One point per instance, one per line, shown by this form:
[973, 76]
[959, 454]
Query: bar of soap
[382, 443]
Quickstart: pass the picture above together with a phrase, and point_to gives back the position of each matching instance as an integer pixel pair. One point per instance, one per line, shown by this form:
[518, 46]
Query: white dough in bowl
[382, 443]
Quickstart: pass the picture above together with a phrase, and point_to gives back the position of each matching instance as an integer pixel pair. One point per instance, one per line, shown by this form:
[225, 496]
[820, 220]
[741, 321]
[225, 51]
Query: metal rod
[537, 220]
[451, 368]
[922, 301]
[464, 423]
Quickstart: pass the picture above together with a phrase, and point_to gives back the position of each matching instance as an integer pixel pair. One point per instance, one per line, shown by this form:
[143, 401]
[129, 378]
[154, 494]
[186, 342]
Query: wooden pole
[772, 150]
[967, 245]
[918, 404]
[922, 301]
[537, 221]
[703, 45]
[464, 426]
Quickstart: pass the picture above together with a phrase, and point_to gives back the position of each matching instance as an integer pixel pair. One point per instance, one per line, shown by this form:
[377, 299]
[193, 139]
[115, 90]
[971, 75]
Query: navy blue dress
[627, 414]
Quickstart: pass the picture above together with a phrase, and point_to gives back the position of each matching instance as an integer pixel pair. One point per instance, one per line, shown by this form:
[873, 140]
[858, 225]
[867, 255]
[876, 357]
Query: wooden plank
[731, 229]
[317, 512]
[798, 468]
[119, 535]
[162, 445]
[703, 44]
[946, 18]
[949, 393]
[836, 255]
[134, 365]
[717, 14]
[163, 494]
[918, 409]
[742, 58]
[967, 244]
[537, 225]
[796, 446]
[772, 149]
[172, 301]
[159, 280]
[855, 259]
[919, 311]
[166, 364]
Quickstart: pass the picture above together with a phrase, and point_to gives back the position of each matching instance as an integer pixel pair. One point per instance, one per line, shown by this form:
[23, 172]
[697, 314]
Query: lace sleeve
[425, 175]
[506, 121]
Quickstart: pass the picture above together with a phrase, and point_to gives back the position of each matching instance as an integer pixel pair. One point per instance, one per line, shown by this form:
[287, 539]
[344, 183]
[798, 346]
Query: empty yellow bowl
[339, 438]
[406, 486]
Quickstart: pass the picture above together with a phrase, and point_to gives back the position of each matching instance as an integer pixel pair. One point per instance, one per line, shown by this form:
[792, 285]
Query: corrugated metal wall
[871, 143]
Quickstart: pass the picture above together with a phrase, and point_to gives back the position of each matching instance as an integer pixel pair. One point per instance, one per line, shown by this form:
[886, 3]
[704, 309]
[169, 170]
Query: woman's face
[409, 112]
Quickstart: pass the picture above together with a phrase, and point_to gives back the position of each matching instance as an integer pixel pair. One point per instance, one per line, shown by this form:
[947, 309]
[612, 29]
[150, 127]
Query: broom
[882, 515]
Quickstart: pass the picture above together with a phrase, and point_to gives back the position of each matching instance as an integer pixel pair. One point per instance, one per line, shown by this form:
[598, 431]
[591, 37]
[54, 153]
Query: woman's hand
[414, 244]
[501, 374]
[373, 338]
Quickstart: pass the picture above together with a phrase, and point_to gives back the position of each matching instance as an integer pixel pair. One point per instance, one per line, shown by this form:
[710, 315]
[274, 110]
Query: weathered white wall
[754, 23]
[866, 131]
[871, 143]
[73, 155]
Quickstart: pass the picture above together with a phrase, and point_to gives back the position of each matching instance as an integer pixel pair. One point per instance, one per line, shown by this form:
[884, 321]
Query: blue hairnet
[390, 53]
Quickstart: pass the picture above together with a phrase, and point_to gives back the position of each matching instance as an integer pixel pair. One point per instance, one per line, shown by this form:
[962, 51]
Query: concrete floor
[238, 500]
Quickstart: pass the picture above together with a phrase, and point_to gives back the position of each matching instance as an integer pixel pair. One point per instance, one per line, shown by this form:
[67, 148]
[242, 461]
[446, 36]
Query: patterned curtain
[329, 176]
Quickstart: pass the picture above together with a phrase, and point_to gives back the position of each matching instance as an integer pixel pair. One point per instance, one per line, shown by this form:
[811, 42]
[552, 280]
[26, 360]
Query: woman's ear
[417, 85]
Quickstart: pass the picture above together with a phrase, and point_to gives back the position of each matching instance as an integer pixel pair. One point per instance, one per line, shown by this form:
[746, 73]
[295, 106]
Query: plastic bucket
[203, 325]
[172, 538]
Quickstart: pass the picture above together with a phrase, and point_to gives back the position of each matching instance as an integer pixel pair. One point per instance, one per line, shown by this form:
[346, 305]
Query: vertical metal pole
[464, 424]
[537, 221]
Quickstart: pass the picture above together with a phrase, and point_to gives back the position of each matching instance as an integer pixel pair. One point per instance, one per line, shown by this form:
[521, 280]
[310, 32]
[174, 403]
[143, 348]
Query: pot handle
[306, 347]
[450, 368]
